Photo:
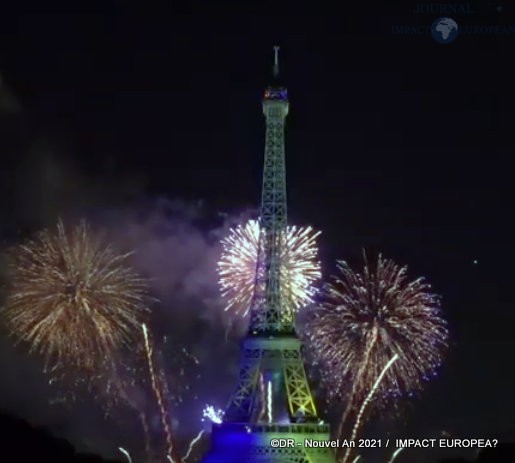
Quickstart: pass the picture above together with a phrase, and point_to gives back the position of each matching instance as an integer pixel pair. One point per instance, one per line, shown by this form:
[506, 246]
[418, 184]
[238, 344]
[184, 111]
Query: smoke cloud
[175, 246]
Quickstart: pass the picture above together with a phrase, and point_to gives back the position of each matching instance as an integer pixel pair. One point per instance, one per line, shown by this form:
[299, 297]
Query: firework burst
[72, 299]
[214, 415]
[365, 320]
[300, 268]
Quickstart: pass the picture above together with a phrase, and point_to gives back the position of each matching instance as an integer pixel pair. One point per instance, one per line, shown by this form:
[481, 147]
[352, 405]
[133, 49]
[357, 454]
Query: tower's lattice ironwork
[272, 398]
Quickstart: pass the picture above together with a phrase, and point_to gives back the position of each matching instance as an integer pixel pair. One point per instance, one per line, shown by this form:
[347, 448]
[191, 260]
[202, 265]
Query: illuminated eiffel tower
[272, 399]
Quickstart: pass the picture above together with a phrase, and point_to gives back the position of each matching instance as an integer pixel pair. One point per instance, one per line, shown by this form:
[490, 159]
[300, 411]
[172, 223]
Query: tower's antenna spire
[276, 60]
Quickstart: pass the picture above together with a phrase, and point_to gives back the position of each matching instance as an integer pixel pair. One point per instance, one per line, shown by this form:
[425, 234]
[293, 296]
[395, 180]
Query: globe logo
[444, 30]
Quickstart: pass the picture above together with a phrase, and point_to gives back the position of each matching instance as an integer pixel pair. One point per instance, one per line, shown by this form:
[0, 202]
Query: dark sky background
[394, 143]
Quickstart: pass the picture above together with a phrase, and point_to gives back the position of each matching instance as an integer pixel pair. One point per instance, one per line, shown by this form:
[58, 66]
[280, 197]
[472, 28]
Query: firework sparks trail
[356, 459]
[191, 356]
[262, 397]
[146, 433]
[363, 365]
[171, 451]
[394, 454]
[127, 454]
[269, 401]
[192, 445]
[212, 414]
[177, 359]
[366, 318]
[72, 299]
[367, 400]
[300, 269]
[118, 390]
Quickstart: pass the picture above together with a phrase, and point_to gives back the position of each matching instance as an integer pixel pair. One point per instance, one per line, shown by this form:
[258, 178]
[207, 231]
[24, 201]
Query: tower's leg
[300, 400]
[240, 407]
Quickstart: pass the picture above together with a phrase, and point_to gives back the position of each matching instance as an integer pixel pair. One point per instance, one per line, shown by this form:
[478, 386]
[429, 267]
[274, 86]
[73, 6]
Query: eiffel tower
[272, 399]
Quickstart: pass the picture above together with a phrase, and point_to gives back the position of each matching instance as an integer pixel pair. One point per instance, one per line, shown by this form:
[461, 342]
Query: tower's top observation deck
[276, 91]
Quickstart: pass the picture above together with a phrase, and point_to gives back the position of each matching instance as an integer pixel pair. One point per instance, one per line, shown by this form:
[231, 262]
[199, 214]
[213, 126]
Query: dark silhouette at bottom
[20, 442]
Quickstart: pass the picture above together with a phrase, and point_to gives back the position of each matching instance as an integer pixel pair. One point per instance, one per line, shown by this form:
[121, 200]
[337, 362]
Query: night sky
[395, 144]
